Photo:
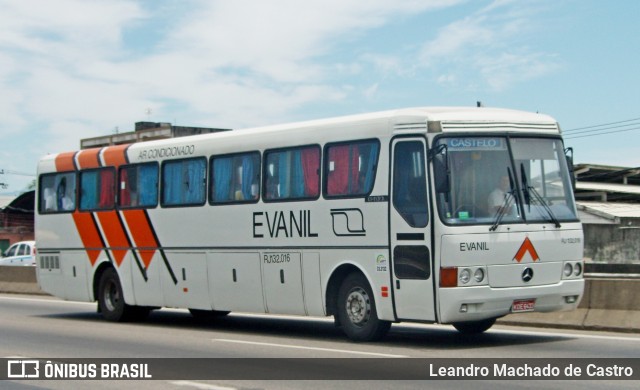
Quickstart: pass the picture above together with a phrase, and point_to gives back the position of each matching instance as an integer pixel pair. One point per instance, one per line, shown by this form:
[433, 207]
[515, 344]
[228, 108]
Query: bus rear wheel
[357, 313]
[474, 327]
[111, 300]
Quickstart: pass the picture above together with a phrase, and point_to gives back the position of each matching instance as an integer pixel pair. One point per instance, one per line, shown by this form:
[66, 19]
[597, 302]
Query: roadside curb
[608, 304]
[19, 280]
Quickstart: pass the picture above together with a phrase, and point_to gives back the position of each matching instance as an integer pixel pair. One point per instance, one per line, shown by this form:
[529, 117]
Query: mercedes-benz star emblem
[527, 275]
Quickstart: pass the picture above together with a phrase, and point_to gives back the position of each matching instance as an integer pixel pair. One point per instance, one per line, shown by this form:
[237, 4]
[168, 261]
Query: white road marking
[309, 348]
[43, 300]
[199, 385]
[285, 317]
[568, 335]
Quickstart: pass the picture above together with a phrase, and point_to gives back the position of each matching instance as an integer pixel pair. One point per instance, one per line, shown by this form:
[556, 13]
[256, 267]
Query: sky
[72, 69]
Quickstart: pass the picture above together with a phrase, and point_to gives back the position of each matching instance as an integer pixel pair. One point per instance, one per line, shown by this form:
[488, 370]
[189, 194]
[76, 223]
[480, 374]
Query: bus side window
[292, 174]
[97, 189]
[410, 183]
[57, 193]
[350, 168]
[183, 182]
[138, 185]
[235, 178]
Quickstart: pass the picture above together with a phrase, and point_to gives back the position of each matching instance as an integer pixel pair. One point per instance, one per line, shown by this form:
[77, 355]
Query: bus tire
[207, 315]
[111, 300]
[474, 327]
[357, 313]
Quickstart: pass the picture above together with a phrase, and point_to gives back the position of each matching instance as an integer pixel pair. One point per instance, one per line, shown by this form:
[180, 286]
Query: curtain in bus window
[222, 179]
[124, 195]
[354, 183]
[172, 183]
[369, 171]
[148, 185]
[195, 174]
[107, 194]
[338, 179]
[248, 173]
[297, 178]
[271, 181]
[89, 195]
[283, 174]
[311, 168]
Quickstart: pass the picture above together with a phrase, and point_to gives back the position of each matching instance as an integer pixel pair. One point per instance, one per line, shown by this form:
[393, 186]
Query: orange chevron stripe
[142, 234]
[89, 235]
[65, 162]
[114, 233]
[115, 155]
[111, 226]
[527, 246]
[89, 158]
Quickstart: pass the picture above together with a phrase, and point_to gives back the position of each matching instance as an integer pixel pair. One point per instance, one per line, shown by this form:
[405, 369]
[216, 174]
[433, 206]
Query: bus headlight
[573, 270]
[464, 276]
[470, 276]
[577, 270]
[478, 276]
[568, 269]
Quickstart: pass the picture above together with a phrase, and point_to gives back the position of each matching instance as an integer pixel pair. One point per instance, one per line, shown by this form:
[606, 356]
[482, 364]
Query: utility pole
[2, 172]
[4, 186]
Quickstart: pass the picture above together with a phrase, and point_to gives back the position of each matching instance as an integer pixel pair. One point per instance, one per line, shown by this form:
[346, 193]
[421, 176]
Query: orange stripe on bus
[89, 235]
[115, 235]
[65, 162]
[142, 234]
[115, 155]
[89, 158]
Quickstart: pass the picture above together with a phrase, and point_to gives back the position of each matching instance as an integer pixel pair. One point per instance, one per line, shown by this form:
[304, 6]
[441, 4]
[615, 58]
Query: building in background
[16, 219]
[608, 199]
[146, 131]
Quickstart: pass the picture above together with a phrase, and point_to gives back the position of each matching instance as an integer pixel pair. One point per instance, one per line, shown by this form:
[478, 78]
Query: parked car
[20, 253]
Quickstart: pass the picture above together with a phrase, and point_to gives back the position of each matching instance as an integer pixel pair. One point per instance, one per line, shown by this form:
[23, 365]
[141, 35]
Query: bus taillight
[449, 277]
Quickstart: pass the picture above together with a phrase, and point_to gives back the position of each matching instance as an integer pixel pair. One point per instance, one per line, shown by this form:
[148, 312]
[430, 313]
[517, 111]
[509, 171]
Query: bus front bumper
[462, 304]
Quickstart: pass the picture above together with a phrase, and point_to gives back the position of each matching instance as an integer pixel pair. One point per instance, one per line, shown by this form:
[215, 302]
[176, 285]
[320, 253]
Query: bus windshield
[501, 180]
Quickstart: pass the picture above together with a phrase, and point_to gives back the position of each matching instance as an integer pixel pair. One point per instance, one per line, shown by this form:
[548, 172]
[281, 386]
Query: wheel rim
[358, 306]
[112, 296]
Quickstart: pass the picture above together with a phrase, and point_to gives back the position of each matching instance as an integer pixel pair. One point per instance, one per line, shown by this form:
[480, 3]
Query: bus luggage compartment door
[282, 278]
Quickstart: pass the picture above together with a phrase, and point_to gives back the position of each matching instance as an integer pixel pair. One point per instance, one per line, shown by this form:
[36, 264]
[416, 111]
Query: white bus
[438, 215]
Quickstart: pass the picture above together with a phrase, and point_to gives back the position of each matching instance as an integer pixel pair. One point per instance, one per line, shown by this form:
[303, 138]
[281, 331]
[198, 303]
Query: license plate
[523, 305]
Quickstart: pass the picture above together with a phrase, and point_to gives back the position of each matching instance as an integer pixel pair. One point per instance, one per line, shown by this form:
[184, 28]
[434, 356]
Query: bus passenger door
[410, 236]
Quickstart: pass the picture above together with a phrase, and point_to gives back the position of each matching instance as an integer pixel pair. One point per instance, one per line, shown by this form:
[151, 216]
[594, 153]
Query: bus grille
[49, 262]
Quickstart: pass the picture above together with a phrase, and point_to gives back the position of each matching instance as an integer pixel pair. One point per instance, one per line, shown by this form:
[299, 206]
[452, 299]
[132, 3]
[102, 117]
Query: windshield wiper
[508, 199]
[530, 190]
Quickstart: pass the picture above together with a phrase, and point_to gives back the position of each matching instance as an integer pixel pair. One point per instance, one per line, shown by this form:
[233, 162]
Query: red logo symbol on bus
[526, 247]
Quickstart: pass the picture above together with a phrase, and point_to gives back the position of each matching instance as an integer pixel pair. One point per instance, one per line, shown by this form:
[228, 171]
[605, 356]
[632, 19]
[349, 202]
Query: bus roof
[438, 114]
[448, 119]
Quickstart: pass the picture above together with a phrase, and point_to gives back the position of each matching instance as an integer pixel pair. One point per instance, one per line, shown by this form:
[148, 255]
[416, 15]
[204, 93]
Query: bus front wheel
[474, 327]
[357, 310]
[111, 300]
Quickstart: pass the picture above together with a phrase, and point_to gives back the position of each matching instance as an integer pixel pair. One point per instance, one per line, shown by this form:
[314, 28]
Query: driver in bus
[498, 197]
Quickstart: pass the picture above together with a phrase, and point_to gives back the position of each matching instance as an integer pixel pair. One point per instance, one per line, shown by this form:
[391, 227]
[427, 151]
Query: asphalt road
[47, 328]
